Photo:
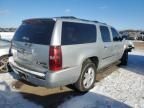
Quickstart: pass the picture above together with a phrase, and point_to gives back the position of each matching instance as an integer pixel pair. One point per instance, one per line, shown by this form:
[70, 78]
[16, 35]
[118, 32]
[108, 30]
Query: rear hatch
[30, 45]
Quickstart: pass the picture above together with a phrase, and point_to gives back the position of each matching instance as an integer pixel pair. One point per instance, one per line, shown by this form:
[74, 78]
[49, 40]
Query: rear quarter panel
[74, 55]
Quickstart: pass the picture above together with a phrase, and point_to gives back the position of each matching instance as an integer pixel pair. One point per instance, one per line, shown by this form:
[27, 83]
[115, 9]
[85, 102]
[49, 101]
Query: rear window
[38, 32]
[78, 33]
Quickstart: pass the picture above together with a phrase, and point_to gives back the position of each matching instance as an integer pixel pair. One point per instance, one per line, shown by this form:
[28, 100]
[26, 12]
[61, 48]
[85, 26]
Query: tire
[124, 59]
[3, 64]
[87, 78]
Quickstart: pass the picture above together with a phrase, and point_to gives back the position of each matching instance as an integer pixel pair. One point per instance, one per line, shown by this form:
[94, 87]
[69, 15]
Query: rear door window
[105, 34]
[78, 33]
[38, 32]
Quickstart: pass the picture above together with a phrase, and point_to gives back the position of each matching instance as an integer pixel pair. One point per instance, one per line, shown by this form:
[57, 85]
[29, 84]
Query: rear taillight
[55, 58]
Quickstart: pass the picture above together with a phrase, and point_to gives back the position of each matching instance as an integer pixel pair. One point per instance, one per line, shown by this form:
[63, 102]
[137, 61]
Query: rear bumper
[46, 79]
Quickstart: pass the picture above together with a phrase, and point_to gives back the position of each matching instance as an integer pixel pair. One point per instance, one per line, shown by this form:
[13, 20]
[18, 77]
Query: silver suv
[64, 50]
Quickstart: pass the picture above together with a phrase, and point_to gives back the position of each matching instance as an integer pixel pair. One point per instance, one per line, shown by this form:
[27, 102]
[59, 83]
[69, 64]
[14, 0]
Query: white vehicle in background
[129, 44]
[7, 35]
[5, 42]
[142, 35]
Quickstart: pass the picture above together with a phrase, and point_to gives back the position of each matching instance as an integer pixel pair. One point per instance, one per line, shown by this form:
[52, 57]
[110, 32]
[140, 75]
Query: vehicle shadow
[88, 100]
[12, 99]
[135, 64]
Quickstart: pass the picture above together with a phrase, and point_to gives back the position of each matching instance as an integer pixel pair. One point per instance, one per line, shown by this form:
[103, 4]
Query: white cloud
[4, 12]
[67, 10]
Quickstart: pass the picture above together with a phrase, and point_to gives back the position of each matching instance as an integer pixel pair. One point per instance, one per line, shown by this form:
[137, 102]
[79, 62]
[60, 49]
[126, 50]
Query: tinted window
[78, 33]
[115, 35]
[105, 34]
[38, 32]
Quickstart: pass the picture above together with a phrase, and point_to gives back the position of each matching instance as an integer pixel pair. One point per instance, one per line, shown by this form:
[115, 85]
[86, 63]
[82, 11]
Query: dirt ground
[51, 98]
[139, 45]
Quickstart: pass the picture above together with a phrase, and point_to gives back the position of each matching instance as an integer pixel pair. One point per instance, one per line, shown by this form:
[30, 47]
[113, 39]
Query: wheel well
[94, 60]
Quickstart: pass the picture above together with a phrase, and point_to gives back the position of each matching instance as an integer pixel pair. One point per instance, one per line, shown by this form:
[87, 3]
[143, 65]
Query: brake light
[55, 58]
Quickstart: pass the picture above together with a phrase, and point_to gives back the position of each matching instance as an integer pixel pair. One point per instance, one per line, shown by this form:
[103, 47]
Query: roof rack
[96, 21]
[67, 17]
[99, 22]
[72, 17]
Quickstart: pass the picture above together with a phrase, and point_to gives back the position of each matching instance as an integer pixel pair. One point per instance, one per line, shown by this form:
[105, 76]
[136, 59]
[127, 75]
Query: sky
[122, 14]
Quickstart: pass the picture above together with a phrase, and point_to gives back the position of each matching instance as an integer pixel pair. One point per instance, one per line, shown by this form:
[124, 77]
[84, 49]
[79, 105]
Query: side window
[105, 34]
[115, 35]
[78, 33]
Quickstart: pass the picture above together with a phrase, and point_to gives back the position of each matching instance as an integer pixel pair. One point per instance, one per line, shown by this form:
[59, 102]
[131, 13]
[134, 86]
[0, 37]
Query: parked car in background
[5, 43]
[129, 43]
[59, 51]
[4, 51]
[142, 36]
[7, 35]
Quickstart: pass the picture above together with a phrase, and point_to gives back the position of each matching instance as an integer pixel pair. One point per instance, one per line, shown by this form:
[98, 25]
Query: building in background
[132, 34]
